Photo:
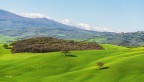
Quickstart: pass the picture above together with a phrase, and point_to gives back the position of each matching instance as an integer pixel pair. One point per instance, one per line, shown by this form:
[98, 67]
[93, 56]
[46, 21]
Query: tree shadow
[105, 68]
[71, 56]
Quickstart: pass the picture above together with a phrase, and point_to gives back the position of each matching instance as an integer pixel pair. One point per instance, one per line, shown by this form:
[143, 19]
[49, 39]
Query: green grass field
[98, 40]
[5, 39]
[123, 65]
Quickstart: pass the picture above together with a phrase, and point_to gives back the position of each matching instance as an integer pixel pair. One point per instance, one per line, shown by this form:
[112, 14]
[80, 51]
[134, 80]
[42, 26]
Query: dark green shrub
[5, 46]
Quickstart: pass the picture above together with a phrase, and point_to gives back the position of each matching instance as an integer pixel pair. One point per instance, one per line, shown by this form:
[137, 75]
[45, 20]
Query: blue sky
[116, 15]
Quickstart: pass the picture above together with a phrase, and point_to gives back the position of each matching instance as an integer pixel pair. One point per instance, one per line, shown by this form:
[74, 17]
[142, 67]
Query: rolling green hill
[123, 65]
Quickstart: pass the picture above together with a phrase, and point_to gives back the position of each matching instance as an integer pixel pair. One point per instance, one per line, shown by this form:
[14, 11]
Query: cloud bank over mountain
[66, 21]
[34, 15]
[86, 26]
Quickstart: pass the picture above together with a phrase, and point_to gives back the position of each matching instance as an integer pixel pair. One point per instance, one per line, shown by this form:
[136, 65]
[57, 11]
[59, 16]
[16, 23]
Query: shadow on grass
[105, 68]
[71, 56]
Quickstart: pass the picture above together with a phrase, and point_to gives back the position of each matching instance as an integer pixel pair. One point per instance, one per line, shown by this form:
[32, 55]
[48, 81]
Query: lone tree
[5, 46]
[100, 64]
[65, 52]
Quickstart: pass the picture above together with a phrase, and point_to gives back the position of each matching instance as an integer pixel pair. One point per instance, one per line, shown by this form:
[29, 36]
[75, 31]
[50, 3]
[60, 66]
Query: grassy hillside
[112, 47]
[6, 39]
[123, 65]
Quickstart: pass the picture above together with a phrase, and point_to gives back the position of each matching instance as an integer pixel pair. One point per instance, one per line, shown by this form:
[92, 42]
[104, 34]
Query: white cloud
[85, 26]
[93, 28]
[66, 21]
[34, 15]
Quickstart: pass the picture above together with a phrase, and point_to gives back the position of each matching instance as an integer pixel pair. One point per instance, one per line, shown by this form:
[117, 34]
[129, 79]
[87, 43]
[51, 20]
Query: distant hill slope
[123, 65]
[48, 44]
[6, 39]
[10, 21]
[22, 27]
[19, 27]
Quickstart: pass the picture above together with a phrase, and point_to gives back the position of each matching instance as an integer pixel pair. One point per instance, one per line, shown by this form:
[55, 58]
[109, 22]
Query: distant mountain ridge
[22, 27]
[18, 27]
[9, 19]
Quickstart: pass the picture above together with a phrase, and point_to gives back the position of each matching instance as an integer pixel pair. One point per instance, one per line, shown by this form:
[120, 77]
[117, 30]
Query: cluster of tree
[6, 46]
[48, 44]
[65, 52]
[100, 65]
